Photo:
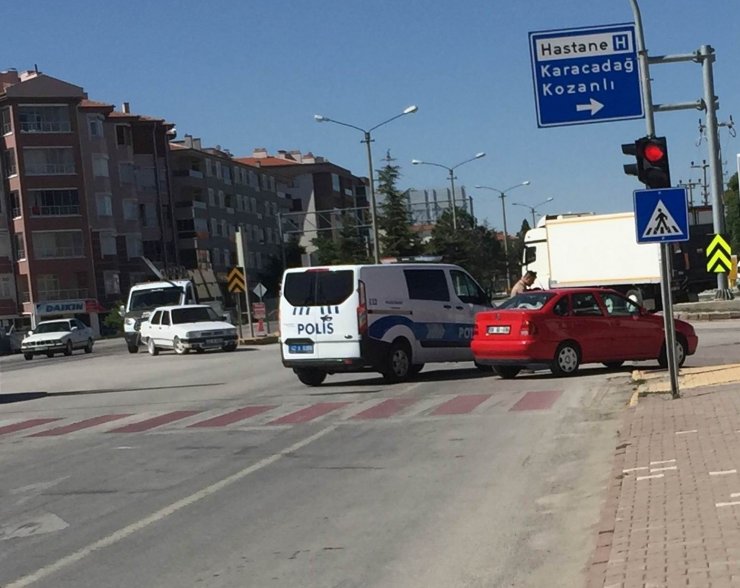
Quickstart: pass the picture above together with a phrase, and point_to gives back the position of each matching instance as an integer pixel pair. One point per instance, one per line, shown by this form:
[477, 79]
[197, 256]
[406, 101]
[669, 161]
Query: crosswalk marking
[79, 425]
[151, 423]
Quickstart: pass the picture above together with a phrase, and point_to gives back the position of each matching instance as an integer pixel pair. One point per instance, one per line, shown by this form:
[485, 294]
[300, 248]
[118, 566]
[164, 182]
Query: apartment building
[85, 193]
[214, 194]
[318, 191]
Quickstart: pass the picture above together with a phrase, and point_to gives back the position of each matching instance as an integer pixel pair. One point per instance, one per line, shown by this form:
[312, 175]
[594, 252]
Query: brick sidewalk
[672, 513]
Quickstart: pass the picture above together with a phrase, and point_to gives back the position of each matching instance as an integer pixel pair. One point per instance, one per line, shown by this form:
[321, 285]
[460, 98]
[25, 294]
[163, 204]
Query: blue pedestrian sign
[586, 75]
[661, 216]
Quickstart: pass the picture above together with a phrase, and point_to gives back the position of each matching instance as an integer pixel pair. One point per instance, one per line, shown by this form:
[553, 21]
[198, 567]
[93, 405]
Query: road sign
[260, 290]
[586, 75]
[235, 280]
[258, 310]
[661, 216]
[719, 256]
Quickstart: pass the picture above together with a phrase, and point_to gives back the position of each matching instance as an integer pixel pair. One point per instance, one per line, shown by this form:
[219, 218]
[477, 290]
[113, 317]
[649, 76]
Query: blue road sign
[586, 75]
[661, 216]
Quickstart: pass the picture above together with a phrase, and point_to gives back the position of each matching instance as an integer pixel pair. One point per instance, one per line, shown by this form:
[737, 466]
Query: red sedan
[562, 329]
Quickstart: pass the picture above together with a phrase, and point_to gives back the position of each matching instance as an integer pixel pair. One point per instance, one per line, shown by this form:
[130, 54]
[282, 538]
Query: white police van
[387, 318]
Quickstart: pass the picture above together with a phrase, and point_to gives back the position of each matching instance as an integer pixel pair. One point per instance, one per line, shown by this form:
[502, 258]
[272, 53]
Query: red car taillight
[528, 328]
[361, 309]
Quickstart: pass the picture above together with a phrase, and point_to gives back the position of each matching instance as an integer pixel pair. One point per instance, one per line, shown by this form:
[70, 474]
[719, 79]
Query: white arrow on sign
[594, 106]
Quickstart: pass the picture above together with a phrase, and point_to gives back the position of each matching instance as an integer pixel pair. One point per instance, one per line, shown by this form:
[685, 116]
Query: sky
[245, 74]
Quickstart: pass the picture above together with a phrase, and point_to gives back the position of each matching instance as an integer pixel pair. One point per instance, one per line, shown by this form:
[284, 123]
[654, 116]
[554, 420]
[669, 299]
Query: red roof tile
[85, 103]
[268, 161]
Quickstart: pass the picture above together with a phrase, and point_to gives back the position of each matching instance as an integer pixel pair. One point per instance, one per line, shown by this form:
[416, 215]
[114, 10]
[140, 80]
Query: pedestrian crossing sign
[661, 216]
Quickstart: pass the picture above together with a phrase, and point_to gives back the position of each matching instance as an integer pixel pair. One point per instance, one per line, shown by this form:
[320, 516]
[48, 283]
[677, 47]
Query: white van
[387, 318]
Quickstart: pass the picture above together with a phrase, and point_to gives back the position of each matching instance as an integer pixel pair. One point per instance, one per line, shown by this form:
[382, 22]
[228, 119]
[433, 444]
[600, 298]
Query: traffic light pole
[665, 252]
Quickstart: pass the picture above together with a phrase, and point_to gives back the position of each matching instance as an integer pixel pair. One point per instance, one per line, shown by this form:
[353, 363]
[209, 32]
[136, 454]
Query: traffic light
[651, 167]
[653, 152]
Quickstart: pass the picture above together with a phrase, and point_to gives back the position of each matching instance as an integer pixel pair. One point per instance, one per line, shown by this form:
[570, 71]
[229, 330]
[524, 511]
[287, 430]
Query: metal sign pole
[241, 255]
[239, 313]
[665, 249]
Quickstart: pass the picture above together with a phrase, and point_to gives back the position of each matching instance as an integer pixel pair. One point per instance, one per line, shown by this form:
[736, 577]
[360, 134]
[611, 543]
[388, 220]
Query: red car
[562, 329]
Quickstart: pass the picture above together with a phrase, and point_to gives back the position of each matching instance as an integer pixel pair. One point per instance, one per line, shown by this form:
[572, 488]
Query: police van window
[530, 255]
[466, 288]
[318, 288]
[427, 284]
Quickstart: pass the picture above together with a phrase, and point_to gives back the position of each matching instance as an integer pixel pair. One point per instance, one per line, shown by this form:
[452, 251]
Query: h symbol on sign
[621, 42]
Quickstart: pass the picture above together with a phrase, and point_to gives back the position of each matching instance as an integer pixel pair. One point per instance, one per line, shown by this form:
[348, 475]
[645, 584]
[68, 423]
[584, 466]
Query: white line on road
[718, 504]
[638, 479]
[686, 432]
[735, 495]
[628, 470]
[163, 513]
[723, 472]
[661, 462]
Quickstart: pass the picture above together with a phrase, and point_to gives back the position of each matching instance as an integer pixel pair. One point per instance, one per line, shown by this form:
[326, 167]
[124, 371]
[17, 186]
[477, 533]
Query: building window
[148, 215]
[107, 243]
[227, 257]
[146, 177]
[130, 210]
[218, 169]
[95, 125]
[253, 204]
[112, 282]
[123, 135]
[335, 183]
[134, 246]
[104, 204]
[126, 173]
[49, 161]
[209, 168]
[5, 244]
[57, 244]
[15, 204]
[7, 124]
[224, 229]
[211, 197]
[226, 171]
[62, 202]
[100, 165]
[9, 164]
[219, 228]
[6, 286]
[216, 257]
[48, 285]
[20, 247]
[44, 119]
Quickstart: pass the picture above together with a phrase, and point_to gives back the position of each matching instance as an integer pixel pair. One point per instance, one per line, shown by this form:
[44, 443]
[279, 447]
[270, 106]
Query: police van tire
[398, 362]
[310, 376]
[416, 369]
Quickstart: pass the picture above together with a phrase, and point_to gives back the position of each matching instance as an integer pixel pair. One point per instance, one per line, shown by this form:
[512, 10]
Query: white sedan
[187, 327]
[59, 336]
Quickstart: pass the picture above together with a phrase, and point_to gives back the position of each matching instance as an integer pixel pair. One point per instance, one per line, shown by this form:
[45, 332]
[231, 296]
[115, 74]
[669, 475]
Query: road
[222, 470]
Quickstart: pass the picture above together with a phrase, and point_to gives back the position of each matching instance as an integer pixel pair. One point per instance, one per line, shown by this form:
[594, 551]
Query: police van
[387, 318]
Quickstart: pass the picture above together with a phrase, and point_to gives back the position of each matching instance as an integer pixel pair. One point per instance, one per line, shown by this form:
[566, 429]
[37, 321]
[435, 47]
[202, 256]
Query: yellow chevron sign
[236, 281]
[719, 255]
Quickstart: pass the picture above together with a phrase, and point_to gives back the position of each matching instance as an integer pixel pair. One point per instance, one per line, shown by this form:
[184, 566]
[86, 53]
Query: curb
[267, 340]
[707, 316]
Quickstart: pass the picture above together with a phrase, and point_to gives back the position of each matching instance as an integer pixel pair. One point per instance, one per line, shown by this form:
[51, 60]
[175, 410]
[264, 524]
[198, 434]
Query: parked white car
[58, 336]
[187, 327]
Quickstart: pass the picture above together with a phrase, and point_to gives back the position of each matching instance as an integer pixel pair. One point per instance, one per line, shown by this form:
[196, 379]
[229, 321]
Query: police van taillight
[361, 308]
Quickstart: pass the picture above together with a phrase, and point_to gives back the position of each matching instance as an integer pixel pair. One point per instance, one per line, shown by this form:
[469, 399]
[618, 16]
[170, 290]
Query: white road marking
[663, 469]
[39, 523]
[638, 479]
[719, 504]
[686, 432]
[735, 495]
[723, 472]
[628, 470]
[664, 461]
[163, 513]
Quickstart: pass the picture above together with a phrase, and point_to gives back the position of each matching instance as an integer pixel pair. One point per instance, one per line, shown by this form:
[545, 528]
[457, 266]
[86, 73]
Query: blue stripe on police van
[438, 334]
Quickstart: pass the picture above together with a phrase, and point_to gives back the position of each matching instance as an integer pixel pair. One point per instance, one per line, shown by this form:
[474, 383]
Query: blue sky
[252, 74]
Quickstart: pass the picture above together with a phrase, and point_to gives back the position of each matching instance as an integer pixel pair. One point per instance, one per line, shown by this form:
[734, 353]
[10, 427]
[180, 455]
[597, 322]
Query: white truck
[200, 286]
[593, 250]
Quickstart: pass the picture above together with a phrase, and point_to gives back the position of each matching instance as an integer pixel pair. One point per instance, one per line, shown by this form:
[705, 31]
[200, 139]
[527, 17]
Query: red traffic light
[653, 152]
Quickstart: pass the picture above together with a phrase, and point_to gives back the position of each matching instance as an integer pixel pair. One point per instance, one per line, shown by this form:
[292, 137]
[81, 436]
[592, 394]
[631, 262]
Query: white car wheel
[151, 347]
[179, 348]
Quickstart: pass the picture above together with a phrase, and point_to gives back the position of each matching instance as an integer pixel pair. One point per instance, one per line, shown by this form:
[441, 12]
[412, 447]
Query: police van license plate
[300, 348]
[499, 330]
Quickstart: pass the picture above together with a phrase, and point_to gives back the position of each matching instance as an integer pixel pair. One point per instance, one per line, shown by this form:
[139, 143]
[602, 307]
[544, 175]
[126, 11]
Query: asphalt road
[222, 470]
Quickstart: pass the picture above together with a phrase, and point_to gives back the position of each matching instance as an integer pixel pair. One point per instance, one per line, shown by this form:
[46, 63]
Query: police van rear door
[319, 314]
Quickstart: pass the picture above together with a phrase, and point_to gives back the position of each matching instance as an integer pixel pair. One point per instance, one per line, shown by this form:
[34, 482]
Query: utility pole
[705, 186]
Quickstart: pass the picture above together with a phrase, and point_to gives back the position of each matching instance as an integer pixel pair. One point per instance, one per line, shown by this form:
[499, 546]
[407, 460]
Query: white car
[58, 336]
[187, 327]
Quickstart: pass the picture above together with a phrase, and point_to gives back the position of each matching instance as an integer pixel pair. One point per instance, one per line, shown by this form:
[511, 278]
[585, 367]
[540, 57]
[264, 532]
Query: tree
[349, 246]
[474, 247]
[293, 251]
[397, 239]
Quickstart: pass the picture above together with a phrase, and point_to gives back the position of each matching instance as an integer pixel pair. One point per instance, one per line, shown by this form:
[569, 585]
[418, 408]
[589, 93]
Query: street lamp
[533, 209]
[451, 172]
[367, 140]
[502, 195]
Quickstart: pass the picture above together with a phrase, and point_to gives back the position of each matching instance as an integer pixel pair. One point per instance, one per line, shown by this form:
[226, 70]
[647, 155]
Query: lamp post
[502, 195]
[533, 209]
[367, 140]
[451, 173]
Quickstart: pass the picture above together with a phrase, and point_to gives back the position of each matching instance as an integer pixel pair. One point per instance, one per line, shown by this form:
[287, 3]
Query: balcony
[54, 126]
[57, 210]
[188, 173]
[68, 294]
[50, 169]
